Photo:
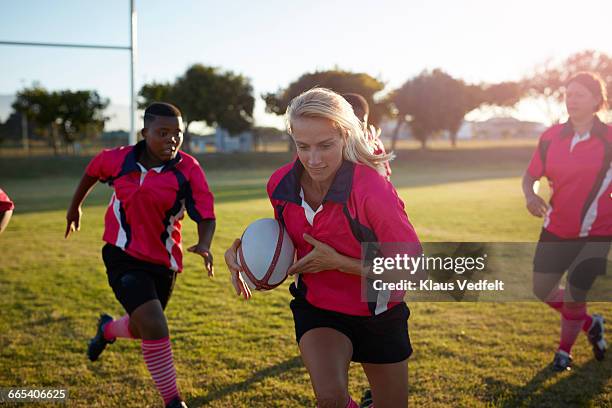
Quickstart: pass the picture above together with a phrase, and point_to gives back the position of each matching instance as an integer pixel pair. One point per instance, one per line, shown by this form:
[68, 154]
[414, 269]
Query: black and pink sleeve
[103, 166]
[199, 200]
[5, 202]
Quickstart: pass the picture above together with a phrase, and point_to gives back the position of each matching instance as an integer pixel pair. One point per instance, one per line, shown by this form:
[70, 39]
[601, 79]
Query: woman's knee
[152, 327]
[544, 286]
[330, 390]
[134, 329]
[150, 322]
[541, 292]
[327, 354]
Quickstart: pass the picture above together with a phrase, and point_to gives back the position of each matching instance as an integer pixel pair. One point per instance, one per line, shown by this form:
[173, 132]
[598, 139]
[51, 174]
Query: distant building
[201, 143]
[506, 128]
[226, 143]
[114, 138]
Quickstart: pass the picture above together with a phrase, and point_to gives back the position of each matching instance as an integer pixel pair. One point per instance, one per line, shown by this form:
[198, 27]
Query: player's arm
[206, 230]
[323, 257]
[535, 204]
[350, 265]
[199, 203]
[231, 260]
[73, 216]
[5, 217]
[536, 170]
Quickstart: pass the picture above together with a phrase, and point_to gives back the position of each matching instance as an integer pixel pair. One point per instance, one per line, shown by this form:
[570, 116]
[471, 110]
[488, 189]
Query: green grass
[230, 353]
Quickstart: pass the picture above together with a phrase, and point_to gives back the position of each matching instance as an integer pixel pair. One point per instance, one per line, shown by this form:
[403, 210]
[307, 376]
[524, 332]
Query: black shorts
[134, 281]
[583, 258]
[380, 339]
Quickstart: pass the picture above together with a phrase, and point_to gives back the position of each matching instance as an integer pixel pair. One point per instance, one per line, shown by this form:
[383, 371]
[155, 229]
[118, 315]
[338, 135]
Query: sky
[274, 42]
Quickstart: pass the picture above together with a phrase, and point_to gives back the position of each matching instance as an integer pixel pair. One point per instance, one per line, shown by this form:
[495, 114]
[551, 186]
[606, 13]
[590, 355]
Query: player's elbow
[5, 217]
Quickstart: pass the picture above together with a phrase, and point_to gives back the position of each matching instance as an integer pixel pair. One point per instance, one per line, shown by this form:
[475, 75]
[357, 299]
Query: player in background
[361, 108]
[6, 210]
[154, 184]
[575, 157]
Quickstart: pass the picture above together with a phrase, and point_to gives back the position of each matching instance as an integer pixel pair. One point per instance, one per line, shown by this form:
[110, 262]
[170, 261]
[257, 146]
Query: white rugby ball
[265, 254]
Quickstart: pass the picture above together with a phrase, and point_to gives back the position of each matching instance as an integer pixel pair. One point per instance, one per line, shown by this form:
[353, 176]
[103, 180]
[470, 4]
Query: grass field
[230, 353]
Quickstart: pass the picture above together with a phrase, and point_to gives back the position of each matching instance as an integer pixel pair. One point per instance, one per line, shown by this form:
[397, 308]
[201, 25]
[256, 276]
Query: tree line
[430, 102]
[60, 117]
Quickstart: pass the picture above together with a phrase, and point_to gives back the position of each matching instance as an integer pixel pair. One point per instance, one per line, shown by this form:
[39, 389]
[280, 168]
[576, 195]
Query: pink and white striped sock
[118, 328]
[158, 357]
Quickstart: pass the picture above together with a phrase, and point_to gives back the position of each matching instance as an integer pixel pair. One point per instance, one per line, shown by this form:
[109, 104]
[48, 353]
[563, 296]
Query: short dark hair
[595, 85]
[160, 109]
[359, 104]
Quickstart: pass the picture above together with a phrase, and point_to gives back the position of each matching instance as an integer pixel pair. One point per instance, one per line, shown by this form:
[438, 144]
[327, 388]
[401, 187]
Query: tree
[62, 116]
[337, 80]
[11, 128]
[206, 94]
[502, 96]
[503, 93]
[236, 93]
[41, 108]
[262, 135]
[80, 115]
[433, 102]
[155, 92]
[461, 99]
[193, 93]
[548, 79]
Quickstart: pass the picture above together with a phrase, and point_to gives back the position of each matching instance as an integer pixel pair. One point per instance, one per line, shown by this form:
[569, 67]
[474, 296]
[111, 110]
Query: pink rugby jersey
[373, 136]
[5, 202]
[579, 171]
[360, 206]
[145, 212]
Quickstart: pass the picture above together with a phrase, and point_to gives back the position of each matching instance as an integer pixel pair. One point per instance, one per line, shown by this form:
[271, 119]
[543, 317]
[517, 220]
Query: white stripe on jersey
[169, 241]
[382, 301]
[591, 213]
[121, 235]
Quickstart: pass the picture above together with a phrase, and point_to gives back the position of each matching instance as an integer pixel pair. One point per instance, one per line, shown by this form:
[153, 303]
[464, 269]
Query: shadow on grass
[258, 376]
[577, 389]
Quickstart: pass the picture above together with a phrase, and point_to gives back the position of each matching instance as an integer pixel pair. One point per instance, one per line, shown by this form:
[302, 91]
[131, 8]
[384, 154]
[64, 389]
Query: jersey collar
[289, 187]
[130, 163]
[599, 129]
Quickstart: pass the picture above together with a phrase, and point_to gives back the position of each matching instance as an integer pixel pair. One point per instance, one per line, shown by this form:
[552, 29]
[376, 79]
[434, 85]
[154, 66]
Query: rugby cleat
[177, 403]
[562, 361]
[596, 337]
[98, 343]
[366, 400]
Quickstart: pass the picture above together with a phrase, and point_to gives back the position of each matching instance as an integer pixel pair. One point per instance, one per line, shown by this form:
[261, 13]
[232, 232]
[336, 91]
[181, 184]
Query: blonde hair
[325, 103]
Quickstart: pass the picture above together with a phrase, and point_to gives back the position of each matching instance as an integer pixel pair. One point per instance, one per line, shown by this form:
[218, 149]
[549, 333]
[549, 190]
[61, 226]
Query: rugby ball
[265, 254]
